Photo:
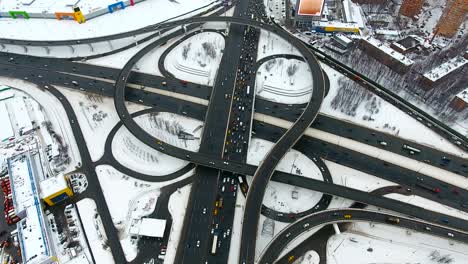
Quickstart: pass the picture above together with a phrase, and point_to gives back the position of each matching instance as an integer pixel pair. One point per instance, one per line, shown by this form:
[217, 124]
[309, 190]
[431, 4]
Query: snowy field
[177, 208]
[264, 239]
[52, 6]
[428, 205]
[55, 114]
[355, 179]
[270, 44]
[168, 127]
[310, 257]
[280, 196]
[97, 116]
[336, 203]
[141, 15]
[197, 58]
[378, 243]
[128, 199]
[236, 229]
[87, 209]
[147, 64]
[122, 191]
[378, 114]
[284, 81]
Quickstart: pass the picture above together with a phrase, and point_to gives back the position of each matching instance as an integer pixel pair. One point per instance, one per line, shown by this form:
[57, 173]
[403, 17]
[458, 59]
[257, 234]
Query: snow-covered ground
[96, 115]
[55, 113]
[147, 64]
[177, 207]
[264, 239]
[371, 151]
[236, 229]
[336, 202]
[122, 192]
[382, 116]
[52, 6]
[134, 154]
[275, 8]
[378, 243]
[355, 179]
[428, 204]
[310, 257]
[87, 209]
[283, 197]
[84, 256]
[197, 58]
[271, 44]
[141, 15]
[128, 199]
[285, 81]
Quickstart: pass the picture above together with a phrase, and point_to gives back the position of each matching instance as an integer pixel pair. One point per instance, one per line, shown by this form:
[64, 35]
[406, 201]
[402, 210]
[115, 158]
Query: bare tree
[209, 49]
[185, 50]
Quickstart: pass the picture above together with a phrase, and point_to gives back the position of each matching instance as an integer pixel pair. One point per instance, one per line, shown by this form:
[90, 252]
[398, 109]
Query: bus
[214, 246]
[411, 149]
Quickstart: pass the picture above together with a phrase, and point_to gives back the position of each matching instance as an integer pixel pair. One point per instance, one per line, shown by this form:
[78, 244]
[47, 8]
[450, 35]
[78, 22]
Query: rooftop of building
[32, 233]
[445, 68]
[408, 42]
[53, 185]
[310, 7]
[151, 227]
[463, 95]
[52, 6]
[389, 51]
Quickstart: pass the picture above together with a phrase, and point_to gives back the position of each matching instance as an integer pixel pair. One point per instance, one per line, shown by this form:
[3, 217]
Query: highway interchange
[211, 158]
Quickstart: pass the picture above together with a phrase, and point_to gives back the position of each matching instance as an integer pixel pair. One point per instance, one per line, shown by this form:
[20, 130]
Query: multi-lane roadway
[211, 155]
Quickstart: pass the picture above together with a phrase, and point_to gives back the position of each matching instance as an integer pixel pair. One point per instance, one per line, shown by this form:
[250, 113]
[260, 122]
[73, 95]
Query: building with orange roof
[308, 11]
[452, 17]
[410, 8]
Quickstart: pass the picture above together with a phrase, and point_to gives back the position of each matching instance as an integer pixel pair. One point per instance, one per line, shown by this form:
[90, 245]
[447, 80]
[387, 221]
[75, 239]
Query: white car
[204, 210]
[198, 243]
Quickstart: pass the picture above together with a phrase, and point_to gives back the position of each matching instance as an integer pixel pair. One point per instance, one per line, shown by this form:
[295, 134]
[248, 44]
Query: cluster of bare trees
[185, 50]
[209, 49]
[435, 256]
[411, 85]
[292, 69]
[270, 64]
[349, 97]
[173, 127]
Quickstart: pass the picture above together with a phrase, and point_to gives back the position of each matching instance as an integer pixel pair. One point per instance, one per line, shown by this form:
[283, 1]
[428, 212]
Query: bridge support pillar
[337, 229]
